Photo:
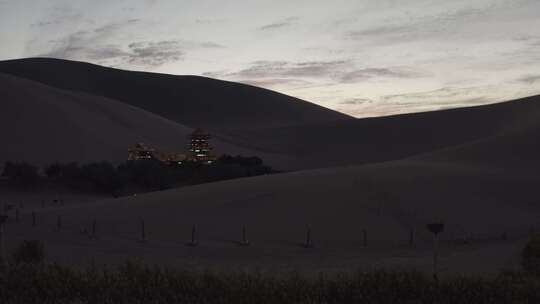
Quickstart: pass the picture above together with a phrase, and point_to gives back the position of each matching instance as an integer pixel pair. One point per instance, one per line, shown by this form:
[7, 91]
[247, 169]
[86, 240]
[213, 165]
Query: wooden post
[17, 216]
[59, 223]
[245, 241]
[193, 241]
[93, 235]
[3, 219]
[309, 242]
[412, 237]
[34, 219]
[143, 231]
[435, 255]
[436, 229]
[364, 237]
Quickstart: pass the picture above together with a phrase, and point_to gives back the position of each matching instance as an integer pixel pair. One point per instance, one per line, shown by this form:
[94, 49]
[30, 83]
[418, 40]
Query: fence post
[364, 237]
[34, 219]
[245, 241]
[193, 241]
[143, 231]
[59, 223]
[412, 238]
[435, 229]
[309, 242]
[17, 216]
[3, 219]
[93, 235]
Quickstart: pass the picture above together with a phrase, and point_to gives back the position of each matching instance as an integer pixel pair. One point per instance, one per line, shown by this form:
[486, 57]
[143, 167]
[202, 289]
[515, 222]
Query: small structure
[200, 150]
[140, 152]
[172, 159]
[175, 159]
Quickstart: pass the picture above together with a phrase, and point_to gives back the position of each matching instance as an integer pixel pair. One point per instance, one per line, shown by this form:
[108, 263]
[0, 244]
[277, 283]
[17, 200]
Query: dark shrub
[31, 252]
[21, 174]
[531, 255]
[150, 174]
[103, 176]
[54, 171]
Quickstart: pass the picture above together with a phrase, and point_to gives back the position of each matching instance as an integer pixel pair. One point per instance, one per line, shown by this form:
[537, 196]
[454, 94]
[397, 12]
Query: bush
[531, 256]
[54, 171]
[21, 174]
[137, 283]
[150, 174]
[103, 176]
[30, 252]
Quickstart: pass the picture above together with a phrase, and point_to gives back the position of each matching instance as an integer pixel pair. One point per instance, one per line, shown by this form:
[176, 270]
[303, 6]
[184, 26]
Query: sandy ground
[474, 169]
[386, 200]
[42, 125]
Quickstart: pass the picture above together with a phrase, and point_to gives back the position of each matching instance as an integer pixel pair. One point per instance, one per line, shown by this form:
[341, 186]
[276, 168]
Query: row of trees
[146, 174]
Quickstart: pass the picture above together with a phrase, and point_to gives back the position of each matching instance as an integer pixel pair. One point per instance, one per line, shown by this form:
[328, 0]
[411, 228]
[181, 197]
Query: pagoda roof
[200, 132]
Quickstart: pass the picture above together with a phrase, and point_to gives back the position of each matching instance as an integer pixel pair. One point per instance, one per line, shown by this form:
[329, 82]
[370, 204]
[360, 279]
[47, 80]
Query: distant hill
[288, 133]
[190, 100]
[41, 125]
[396, 137]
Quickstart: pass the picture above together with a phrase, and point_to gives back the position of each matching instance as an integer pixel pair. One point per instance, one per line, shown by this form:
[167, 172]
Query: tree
[21, 174]
[31, 252]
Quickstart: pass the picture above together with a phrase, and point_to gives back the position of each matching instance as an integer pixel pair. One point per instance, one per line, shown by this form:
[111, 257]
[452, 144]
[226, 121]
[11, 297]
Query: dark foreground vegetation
[27, 279]
[135, 283]
[147, 175]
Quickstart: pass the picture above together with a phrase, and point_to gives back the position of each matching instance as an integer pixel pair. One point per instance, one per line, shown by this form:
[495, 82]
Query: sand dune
[288, 133]
[475, 169]
[483, 190]
[478, 203]
[395, 137]
[41, 125]
[189, 100]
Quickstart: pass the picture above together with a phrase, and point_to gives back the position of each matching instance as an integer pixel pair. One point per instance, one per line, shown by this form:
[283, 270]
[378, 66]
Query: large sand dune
[390, 138]
[475, 169]
[492, 207]
[286, 132]
[483, 190]
[41, 124]
[188, 100]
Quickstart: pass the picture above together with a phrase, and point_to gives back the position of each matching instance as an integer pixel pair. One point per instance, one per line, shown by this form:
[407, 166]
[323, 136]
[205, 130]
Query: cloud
[94, 45]
[529, 79]
[355, 101]
[280, 69]
[210, 45]
[440, 99]
[280, 24]
[154, 54]
[277, 82]
[441, 22]
[446, 97]
[337, 71]
[369, 73]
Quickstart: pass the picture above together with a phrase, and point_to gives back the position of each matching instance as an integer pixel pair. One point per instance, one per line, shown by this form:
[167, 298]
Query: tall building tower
[200, 150]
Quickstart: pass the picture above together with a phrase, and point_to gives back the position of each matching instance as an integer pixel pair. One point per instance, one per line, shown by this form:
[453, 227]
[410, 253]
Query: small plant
[29, 252]
[531, 255]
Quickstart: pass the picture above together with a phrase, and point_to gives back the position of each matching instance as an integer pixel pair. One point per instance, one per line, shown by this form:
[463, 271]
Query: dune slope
[41, 125]
[394, 137]
[189, 100]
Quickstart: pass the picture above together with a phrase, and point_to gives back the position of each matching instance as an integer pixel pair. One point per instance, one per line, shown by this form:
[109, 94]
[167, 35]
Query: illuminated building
[200, 150]
[140, 152]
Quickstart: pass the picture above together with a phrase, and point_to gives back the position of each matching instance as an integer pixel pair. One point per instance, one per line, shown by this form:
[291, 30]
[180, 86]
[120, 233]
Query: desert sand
[366, 186]
[41, 125]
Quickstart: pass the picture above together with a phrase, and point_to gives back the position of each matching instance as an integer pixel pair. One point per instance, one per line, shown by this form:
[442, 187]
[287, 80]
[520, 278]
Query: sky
[362, 57]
